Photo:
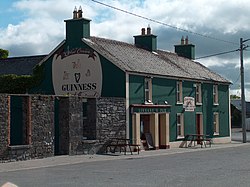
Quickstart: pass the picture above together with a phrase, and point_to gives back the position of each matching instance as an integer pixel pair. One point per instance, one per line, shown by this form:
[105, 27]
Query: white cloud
[42, 26]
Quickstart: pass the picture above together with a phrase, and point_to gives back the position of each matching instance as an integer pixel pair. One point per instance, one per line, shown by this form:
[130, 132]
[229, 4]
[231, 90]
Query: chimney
[146, 41]
[143, 31]
[77, 28]
[185, 49]
[79, 13]
[182, 40]
[186, 40]
[75, 13]
[148, 30]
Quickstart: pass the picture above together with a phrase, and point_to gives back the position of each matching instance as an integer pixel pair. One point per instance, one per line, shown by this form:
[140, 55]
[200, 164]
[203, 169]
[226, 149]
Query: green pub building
[166, 94]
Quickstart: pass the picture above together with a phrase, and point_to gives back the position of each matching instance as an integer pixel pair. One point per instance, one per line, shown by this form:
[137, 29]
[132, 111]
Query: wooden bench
[122, 144]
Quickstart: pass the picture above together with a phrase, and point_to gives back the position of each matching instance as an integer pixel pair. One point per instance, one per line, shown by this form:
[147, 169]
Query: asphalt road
[215, 167]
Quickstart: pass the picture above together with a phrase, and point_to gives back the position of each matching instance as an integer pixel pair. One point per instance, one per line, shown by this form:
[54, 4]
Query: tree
[234, 97]
[4, 53]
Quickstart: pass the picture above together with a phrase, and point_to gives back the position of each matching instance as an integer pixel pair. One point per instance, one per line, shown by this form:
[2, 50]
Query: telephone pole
[243, 101]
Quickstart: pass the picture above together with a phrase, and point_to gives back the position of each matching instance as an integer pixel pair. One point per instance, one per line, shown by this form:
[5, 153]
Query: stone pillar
[136, 139]
[42, 126]
[75, 124]
[164, 130]
[4, 126]
[154, 129]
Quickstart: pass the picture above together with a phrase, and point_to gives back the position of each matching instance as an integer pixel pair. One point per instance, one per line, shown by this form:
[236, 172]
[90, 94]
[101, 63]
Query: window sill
[198, 104]
[216, 104]
[179, 103]
[216, 134]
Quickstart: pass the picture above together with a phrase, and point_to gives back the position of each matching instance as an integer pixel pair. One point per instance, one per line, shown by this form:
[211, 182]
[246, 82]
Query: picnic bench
[193, 139]
[122, 144]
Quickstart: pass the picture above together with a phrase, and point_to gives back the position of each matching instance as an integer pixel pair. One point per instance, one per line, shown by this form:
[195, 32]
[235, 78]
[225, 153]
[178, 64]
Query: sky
[34, 27]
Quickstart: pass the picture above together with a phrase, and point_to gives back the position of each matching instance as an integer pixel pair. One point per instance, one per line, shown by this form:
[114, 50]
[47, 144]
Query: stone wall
[111, 118]
[63, 126]
[70, 125]
[4, 125]
[84, 125]
[106, 118]
[75, 124]
[42, 126]
[89, 123]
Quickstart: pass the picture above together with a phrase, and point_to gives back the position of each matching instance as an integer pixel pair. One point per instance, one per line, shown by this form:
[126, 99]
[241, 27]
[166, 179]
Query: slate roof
[127, 57]
[237, 104]
[19, 65]
[163, 63]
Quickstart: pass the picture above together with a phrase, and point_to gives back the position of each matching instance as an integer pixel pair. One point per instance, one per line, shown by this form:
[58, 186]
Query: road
[215, 167]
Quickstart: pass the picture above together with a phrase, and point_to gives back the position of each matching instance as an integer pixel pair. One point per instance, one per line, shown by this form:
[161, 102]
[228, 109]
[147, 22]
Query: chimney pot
[79, 12]
[182, 40]
[186, 40]
[148, 30]
[143, 31]
[75, 13]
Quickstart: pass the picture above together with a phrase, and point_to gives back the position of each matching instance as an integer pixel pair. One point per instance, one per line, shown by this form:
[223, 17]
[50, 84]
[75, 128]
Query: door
[145, 120]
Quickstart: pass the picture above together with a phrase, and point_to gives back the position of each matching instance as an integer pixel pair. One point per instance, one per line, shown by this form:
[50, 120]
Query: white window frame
[180, 125]
[179, 96]
[215, 94]
[216, 125]
[198, 94]
[148, 90]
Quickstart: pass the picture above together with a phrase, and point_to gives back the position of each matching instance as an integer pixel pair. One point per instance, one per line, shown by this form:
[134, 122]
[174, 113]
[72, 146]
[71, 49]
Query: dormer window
[148, 90]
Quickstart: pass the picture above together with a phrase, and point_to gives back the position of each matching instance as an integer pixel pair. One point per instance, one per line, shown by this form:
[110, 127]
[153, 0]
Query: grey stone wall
[42, 126]
[63, 134]
[111, 118]
[78, 134]
[75, 124]
[106, 118]
[70, 125]
[89, 123]
[4, 116]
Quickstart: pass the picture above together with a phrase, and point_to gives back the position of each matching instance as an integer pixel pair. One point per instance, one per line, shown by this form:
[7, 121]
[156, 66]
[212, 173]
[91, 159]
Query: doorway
[144, 125]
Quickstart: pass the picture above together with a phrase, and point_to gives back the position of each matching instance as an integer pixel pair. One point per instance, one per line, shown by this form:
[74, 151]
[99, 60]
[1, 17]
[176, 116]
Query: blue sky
[33, 27]
[8, 14]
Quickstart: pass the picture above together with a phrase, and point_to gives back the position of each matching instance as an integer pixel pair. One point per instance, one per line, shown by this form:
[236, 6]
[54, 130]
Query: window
[216, 123]
[180, 125]
[215, 94]
[198, 97]
[179, 92]
[148, 90]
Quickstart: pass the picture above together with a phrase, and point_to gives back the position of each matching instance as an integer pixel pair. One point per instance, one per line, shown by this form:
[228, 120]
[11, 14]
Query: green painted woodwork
[148, 42]
[136, 89]
[113, 80]
[221, 109]
[165, 90]
[76, 29]
[16, 121]
[187, 50]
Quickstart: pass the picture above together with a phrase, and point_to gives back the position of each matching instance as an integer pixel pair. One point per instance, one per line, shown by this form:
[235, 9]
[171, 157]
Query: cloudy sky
[32, 27]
